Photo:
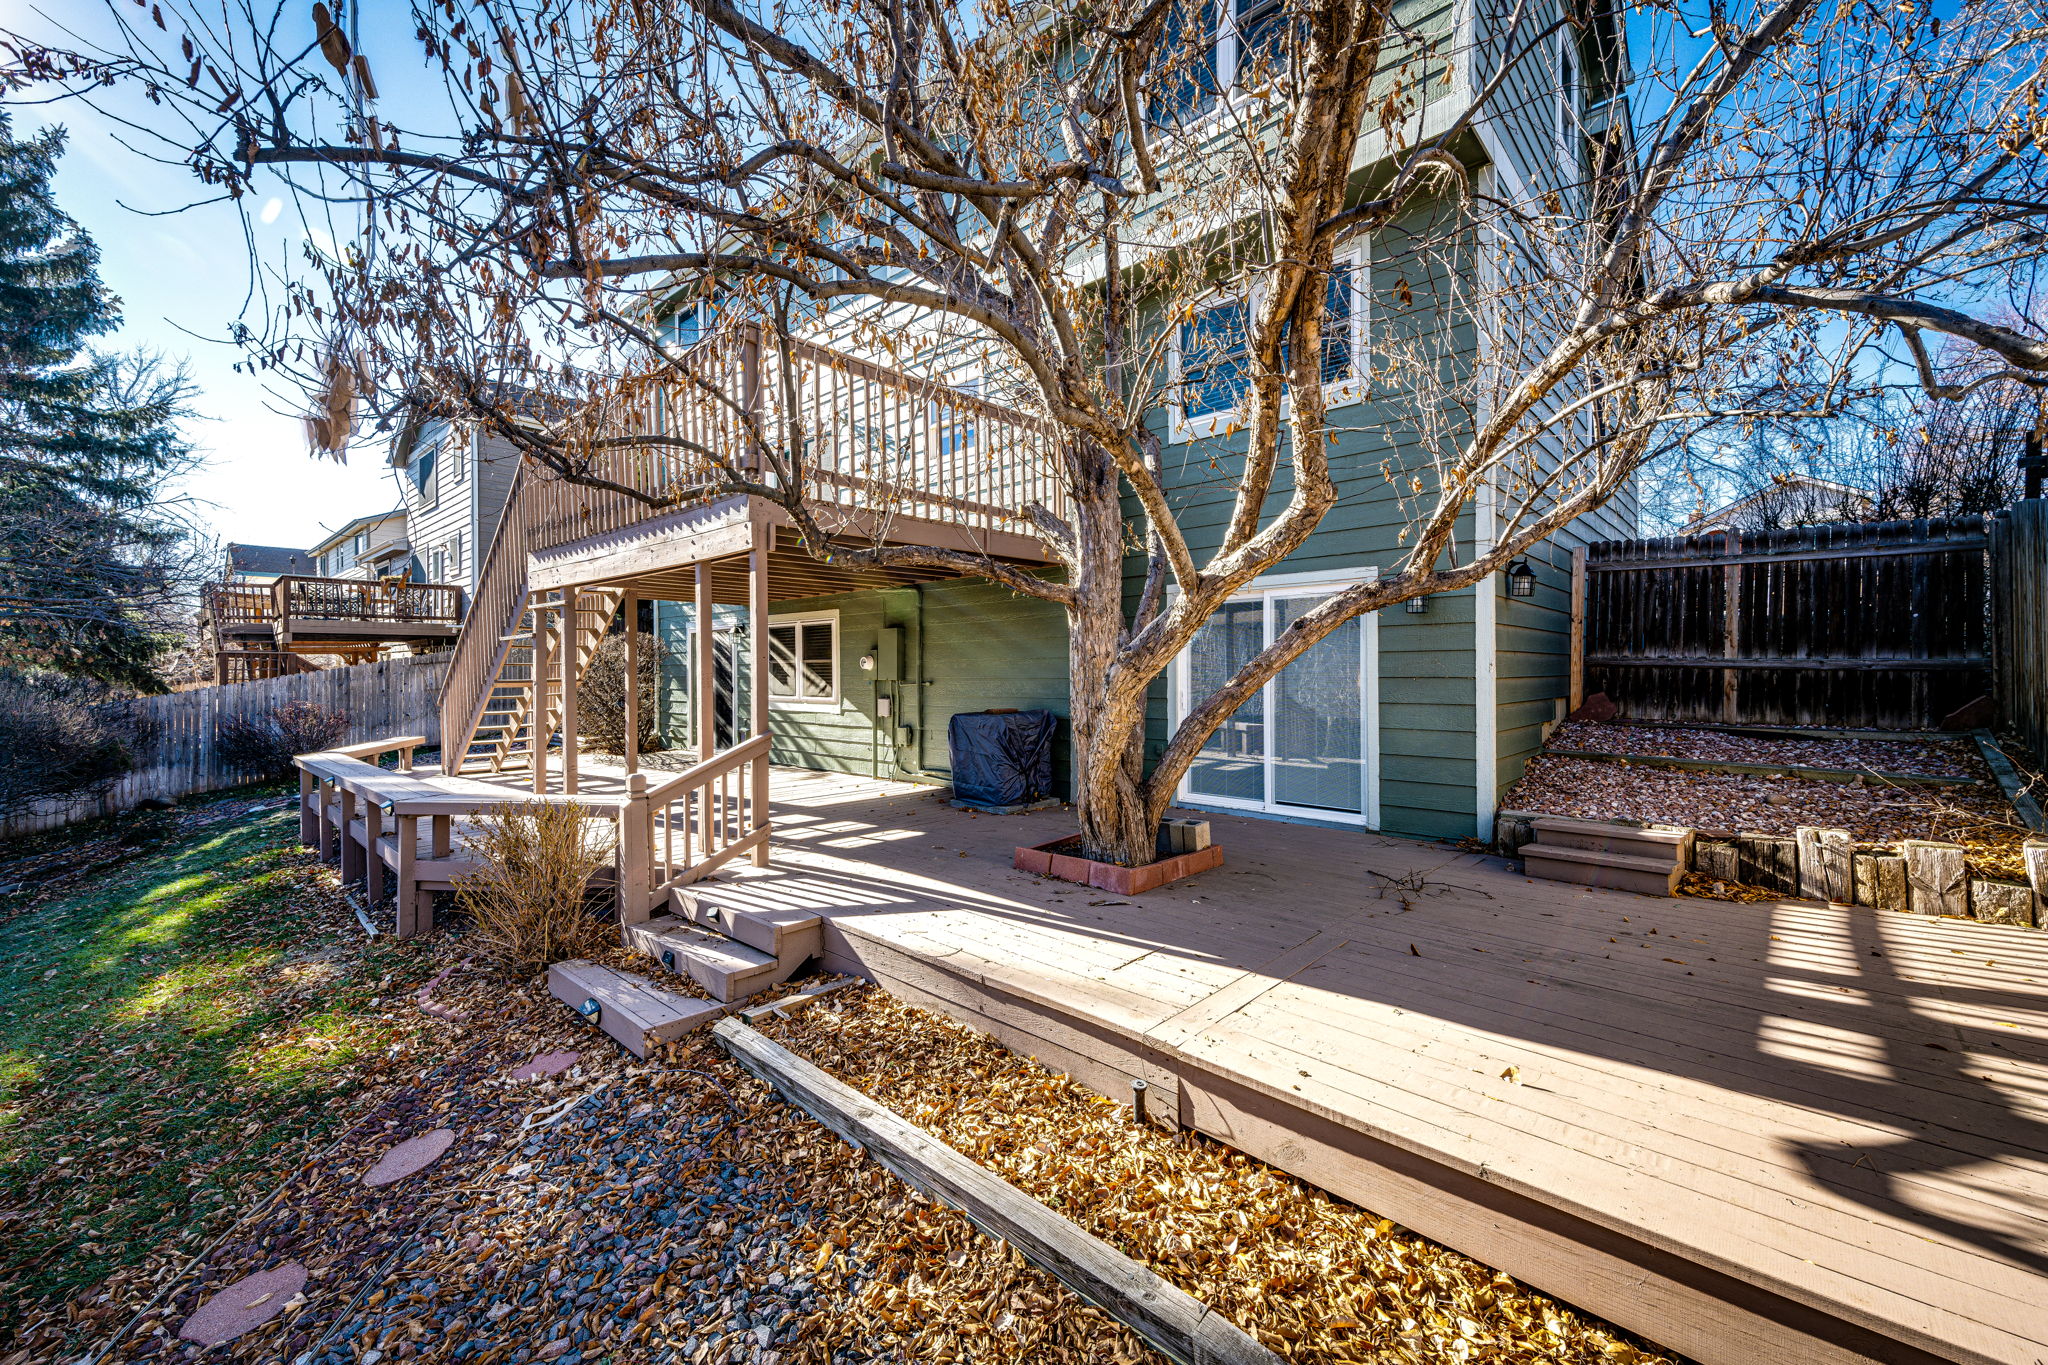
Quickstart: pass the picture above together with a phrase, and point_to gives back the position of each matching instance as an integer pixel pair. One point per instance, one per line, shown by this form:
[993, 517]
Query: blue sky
[181, 280]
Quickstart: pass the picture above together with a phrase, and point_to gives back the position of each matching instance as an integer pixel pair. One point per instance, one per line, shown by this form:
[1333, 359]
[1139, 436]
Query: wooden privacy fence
[2019, 594]
[175, 754]
[1872, 624]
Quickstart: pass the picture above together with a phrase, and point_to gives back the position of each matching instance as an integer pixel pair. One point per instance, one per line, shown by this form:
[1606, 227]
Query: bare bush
[601, 697]
[60, 739]
[529, 896]
[267, 743]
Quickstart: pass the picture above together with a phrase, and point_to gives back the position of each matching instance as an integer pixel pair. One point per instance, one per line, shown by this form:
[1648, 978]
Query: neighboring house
[1412, 721]
[454, 480]
[1789, 500]
[372, 546]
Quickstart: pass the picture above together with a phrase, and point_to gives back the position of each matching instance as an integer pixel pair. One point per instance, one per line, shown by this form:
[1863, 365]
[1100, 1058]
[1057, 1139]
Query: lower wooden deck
[1749, 1132]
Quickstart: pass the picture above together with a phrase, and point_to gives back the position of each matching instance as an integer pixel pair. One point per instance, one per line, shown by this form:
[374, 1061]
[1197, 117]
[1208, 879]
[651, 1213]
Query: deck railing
[333, 599]
[873, 439]
[677, 831]
[353, 599]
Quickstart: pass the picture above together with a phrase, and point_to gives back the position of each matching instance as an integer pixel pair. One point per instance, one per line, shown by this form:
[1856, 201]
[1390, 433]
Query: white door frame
[1295, 585]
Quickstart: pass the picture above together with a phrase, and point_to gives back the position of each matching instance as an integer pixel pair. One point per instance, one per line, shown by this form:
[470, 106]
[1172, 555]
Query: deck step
[1668, 844]
[632, 1009]
[747, 910]
[1598, 867]
[729, 969]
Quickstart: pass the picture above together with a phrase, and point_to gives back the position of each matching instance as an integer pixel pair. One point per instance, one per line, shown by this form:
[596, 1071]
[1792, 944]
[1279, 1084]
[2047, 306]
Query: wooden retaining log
[1179, 1325]
[1825, 870]
[2036, 855]
[1770, 861]
[1881, 882]
[1717, 858]
[1935, 878]
[2002, 902]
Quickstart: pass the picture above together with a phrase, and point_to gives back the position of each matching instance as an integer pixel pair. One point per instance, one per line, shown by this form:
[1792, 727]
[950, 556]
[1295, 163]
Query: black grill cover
[1001, 758]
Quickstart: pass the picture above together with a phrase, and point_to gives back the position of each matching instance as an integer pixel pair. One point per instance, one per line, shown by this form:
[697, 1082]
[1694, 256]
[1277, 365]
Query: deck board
[1846, 1110]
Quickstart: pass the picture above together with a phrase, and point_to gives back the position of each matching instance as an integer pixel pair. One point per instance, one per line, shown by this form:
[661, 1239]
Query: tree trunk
[1119, 817]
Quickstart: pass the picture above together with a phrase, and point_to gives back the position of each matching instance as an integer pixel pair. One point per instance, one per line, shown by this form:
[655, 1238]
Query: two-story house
[1410, 721]
[454, 480]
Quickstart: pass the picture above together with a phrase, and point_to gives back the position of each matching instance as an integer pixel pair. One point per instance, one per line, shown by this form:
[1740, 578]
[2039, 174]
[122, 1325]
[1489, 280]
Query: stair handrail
[481, 648]
[738, 823]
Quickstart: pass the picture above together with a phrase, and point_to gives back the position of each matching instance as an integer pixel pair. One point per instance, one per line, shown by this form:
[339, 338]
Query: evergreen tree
[92, 545]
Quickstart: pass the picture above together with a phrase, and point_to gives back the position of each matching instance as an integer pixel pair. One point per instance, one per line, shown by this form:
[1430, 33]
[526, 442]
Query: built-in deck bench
[402, 823]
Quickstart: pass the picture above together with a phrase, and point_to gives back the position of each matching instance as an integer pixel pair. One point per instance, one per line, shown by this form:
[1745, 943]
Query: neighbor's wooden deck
[1754, 1133]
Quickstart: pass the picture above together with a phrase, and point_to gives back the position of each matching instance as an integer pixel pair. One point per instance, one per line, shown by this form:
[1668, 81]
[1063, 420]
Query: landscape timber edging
[1868, 877]
[1180, 1326]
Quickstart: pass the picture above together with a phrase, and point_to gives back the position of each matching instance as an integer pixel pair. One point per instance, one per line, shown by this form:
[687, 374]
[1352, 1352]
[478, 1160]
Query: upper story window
[1213, 373]
[1209, 47]
[1569, 96]
[691, 323]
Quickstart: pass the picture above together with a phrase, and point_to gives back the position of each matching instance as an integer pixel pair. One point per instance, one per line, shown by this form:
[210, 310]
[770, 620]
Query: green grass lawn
[185, 1012]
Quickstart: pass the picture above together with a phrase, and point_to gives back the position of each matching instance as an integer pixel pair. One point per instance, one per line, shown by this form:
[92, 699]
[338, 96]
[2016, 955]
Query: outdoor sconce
[1521, 579]
[1417, 605]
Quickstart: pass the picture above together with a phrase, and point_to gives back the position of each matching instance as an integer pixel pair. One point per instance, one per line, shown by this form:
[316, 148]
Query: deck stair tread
[1595, 857]
[632, 1009]
[753, 914]
[729, 969]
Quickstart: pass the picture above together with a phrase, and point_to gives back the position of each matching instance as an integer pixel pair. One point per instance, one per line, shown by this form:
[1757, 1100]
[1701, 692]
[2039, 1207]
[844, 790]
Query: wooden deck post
[572, 635]
[373, 831]
[1577, 686]
[636, 846]
[442, 842]
[407, 910]
[351, 851]
[537, 704]
[703, 672]
[631, 606]
[757, 669]
[324, 794]
[309, 818]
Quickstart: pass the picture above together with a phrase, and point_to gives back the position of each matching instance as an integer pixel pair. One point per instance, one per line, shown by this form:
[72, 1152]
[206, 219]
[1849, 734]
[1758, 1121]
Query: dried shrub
[601, 696]
[529, 897]
[61, 739]
[266, 743]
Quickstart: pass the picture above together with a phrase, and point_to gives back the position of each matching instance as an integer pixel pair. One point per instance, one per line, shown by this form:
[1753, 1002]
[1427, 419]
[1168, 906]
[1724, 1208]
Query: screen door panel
[1232, 763]
[1317, 735]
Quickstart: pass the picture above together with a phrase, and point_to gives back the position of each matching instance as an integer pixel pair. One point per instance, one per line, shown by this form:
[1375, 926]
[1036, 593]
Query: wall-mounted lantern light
[1417, 605]
[1521, 579]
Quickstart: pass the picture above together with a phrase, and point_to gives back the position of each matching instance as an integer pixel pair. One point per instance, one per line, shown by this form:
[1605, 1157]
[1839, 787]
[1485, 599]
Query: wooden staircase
[1618, 857]
[522, 707]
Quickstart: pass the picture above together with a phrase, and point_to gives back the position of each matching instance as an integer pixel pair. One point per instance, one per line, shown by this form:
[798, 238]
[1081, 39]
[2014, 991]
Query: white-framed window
[1210, 49]
[1211, 374]
[1307, 743]
[1565, 133]
[803, 661]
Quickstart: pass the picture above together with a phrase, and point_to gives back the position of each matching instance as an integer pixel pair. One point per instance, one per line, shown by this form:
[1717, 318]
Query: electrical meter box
[889, 654]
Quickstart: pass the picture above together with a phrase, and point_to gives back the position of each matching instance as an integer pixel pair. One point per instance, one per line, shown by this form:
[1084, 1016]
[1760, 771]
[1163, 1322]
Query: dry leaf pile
[1928, 758]
[1316, 1279]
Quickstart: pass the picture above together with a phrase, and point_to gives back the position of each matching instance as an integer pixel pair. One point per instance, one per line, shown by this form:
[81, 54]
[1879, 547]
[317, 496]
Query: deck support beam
[631, 607]
[537, 703]
[703, 671]
[757, 668]
[572, 639]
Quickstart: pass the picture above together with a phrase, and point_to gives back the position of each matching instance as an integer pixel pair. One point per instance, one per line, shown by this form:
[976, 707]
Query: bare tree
[1052, 195]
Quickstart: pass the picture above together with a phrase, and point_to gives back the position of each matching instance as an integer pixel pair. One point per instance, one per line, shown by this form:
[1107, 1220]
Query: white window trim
[1231, 98]
[1566, 133]
[830, 703]
[1369, 718]
[1345, 392]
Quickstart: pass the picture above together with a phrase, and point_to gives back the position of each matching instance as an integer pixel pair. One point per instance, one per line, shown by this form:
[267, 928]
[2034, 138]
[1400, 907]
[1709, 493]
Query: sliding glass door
[1305, 743]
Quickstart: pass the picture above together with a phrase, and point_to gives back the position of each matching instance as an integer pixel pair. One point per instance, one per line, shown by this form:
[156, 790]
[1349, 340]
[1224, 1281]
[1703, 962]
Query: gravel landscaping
[1926, 758]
